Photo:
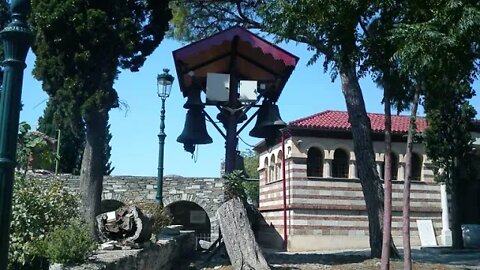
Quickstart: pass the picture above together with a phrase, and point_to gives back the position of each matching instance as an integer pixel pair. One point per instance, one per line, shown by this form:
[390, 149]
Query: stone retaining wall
[166, 254]
[206, 192]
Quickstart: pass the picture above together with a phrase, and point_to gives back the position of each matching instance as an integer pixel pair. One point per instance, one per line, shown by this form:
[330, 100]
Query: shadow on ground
[349, 260]
[449, 257]
[318, 258]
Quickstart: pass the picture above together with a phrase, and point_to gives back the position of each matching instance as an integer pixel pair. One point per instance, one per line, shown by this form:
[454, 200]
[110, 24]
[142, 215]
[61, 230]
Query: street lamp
[164, 86]
[16, 41]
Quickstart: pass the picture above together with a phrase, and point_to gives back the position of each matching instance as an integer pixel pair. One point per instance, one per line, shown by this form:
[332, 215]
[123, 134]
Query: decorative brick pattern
[324, 207]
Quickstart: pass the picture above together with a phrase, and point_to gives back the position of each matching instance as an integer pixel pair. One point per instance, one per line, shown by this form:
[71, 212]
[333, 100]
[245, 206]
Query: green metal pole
[161, 144]
[16, 42]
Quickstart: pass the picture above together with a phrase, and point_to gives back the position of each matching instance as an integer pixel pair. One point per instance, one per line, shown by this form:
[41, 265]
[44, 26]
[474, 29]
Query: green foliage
[448, 136]
[252, 190]
[78, 66]
[437, 46]
[38, 207]
[68, 244]
[193, 20]
[80, 48]
[234, 186]
[34, 151]
[157, 213]
[108, 169]
[251, 187]
[250, 161]
[72, 139]
[435, 34]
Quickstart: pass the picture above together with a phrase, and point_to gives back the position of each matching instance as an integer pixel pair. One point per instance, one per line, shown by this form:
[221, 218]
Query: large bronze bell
[195, 129]
[223, 115]
[194, 101]
[268, 123]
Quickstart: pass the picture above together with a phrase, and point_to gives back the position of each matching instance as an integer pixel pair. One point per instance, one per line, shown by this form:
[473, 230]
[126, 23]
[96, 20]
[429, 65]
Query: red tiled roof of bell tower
[338, 120]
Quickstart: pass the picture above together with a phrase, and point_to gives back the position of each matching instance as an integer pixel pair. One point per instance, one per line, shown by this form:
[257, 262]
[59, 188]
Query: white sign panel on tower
[217, 87]
[248, 91]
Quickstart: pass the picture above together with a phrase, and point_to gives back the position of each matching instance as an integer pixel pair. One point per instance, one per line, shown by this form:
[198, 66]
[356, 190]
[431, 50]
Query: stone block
[171, 230]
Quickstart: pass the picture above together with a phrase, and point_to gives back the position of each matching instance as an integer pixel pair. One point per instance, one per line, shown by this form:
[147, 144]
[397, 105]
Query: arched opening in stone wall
[340, 163]
[394, 167]
[110, 205]
[192, 217]
[314, 162]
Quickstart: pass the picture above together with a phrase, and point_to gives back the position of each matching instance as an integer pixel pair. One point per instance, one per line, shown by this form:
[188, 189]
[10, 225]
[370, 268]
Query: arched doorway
[192, 217]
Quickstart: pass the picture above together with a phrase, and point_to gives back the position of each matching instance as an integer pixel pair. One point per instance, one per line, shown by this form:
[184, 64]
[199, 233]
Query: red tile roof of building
[338, 120]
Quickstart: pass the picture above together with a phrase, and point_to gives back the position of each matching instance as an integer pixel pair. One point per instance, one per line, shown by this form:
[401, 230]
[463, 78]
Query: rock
[56, 266]
[110, 245]
[204, 244]
[110, 216]
[171, 230]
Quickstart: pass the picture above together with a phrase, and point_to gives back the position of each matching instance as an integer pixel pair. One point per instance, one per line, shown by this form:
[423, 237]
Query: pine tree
[81, 46]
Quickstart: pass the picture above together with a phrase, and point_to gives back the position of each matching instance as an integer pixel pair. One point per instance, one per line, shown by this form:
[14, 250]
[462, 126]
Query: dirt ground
[351, 261]
[367, 264]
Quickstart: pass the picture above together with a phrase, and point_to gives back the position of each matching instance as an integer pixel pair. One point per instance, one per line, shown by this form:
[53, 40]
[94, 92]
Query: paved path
[465, 258]
[462, 258]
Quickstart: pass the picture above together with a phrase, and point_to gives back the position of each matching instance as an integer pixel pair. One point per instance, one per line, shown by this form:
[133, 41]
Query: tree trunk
[91, 174]
[243, 250]
[456, 227]
[363, 147]
[387, 178]
[127, 224]
[412, 128]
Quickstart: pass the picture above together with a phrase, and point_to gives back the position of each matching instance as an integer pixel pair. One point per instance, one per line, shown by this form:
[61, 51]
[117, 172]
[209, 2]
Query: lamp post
[16, 41]
[164, 86]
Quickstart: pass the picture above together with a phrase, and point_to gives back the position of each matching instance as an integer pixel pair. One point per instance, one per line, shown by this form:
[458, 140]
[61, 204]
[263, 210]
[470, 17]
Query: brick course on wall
[334, 207]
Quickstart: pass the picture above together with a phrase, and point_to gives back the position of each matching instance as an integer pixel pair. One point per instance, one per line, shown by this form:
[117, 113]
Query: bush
[38, 206]
[234, 186]
[158, 215]
[68, 244]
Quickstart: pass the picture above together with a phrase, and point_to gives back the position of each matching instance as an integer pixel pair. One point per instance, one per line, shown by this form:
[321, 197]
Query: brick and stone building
[325, 207]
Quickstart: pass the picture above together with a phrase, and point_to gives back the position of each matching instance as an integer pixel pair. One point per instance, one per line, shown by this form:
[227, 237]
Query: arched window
[416, 167]
[314, 162]
[340, 164]
[278, 169]
[394, 168]
[271, 169]
[265, 170]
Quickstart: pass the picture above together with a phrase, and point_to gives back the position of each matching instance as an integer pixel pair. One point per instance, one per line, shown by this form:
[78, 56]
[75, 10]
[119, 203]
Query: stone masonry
[205, 192]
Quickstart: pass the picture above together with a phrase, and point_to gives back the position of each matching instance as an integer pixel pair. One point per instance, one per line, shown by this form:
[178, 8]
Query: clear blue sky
[135, 143]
